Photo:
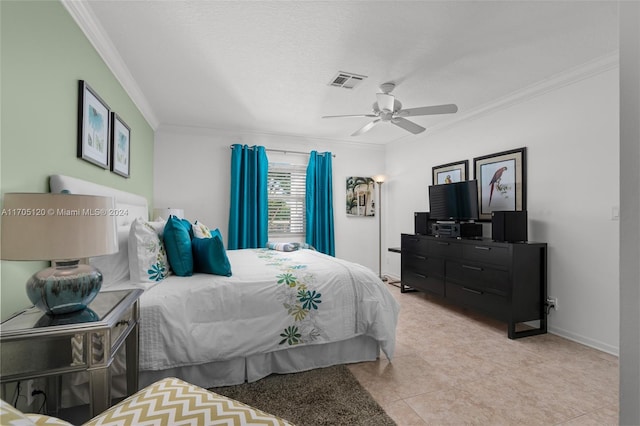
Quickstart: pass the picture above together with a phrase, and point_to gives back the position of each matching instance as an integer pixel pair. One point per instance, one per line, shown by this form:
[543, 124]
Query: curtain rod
[286, 151]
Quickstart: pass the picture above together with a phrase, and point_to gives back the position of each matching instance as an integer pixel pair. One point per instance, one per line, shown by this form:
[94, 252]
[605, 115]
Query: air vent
[347, 80]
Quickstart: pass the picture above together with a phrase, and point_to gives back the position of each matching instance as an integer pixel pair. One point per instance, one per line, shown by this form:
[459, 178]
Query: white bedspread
[274, 300]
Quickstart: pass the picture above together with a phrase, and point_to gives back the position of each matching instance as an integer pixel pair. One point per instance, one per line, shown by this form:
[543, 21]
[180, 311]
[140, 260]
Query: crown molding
[86, 20]
[557, 81]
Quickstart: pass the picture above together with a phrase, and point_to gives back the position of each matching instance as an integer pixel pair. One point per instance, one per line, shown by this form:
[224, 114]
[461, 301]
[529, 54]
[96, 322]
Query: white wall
[192, 168]
[571, 134]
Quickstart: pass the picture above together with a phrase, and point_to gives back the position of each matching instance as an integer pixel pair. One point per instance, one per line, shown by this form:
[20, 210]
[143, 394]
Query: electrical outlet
[30, 386]
[552, 302]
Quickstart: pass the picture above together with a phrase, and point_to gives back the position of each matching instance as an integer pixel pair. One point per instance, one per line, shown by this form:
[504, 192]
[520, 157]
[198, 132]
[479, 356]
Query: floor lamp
[380, 180]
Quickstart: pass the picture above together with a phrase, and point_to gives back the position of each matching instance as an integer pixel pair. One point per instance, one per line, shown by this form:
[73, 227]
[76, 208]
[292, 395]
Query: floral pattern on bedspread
[299, 298]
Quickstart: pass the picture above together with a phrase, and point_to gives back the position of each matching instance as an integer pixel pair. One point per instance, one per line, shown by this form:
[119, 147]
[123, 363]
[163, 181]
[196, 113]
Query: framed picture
[93, 127]
[360, 196]
[502, 182]
[451, 172]
[120, 146]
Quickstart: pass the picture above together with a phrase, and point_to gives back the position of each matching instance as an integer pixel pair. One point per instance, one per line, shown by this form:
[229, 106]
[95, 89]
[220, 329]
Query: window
[286, 185]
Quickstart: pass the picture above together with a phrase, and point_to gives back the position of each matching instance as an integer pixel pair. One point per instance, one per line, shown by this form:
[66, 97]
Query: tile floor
[453, 367]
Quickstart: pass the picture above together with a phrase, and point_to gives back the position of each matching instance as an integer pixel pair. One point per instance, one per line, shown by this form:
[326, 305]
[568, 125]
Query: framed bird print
[450, 173]
[502, 182]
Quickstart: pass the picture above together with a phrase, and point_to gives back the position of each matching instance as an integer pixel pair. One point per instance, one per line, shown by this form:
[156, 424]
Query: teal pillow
[209, 255]
[177, 243]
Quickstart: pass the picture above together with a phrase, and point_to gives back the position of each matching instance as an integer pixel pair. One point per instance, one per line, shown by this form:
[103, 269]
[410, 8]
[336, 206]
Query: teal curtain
[319, 200]
[249, 203]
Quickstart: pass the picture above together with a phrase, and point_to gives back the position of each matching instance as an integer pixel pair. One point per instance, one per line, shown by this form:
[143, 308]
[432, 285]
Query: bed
[279, 312]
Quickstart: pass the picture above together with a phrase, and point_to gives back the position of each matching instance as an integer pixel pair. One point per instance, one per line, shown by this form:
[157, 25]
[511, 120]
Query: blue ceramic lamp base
[67, 286]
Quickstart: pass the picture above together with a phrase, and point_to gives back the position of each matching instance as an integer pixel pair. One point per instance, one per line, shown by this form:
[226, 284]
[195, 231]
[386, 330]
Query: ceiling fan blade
[385, 101]
[365, 128]
[349, 116]
[408, 125]
[429, 110]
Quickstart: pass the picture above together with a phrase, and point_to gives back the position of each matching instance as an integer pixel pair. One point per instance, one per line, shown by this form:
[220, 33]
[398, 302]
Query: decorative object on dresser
[502, 182]
[63, 228]
[120, 146]
[379, 181]
[93, 127]
[507, 281]
[451, 172]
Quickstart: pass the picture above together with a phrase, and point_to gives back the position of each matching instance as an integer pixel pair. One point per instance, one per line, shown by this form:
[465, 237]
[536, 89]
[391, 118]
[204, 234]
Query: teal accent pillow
[177, 242]
[209, 255]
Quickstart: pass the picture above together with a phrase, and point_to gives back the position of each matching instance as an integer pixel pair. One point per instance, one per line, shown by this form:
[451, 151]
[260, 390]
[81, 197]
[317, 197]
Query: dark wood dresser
[506, 281]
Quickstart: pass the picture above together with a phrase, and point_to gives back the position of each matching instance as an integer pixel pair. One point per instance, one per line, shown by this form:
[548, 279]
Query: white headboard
[130, 206]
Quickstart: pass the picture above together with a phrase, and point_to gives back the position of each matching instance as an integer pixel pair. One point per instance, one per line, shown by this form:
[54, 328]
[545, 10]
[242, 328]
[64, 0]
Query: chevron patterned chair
[168, 401]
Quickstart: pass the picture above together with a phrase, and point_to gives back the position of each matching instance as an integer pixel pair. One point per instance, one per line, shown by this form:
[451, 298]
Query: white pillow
[147, 256]
[200, 230]
[115, 267]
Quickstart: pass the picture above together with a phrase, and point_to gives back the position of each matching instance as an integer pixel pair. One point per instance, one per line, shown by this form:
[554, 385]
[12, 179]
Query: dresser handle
[419, 257]
[470, 290]
[473, 268]
[420, 275]
[440, 243]
[122, 322]
[483, 248]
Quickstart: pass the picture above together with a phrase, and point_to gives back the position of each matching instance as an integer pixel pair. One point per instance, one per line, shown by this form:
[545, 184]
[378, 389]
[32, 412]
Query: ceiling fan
[388, 109]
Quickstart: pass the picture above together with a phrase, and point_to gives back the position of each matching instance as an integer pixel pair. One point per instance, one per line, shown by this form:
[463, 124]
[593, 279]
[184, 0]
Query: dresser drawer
[423, 281]
[492, 304]
[478, 277]
[124, 322]
[411, 243]
[445, 248]
[424, 264]
[495, 255]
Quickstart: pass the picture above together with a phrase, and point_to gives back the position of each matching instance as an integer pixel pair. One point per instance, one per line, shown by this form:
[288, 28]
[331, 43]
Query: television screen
[454, 201]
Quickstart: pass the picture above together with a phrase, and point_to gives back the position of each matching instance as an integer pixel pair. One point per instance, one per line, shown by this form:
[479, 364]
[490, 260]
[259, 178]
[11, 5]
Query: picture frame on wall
[502, 182]
[451, 172]
[360, 196]
[93, 127]
[120, 146]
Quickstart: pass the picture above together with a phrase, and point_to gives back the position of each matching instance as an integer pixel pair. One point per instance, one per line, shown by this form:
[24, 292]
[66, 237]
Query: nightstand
[34, 345]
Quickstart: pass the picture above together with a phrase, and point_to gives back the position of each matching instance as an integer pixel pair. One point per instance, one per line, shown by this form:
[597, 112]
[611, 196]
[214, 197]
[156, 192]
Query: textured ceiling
[265, 66]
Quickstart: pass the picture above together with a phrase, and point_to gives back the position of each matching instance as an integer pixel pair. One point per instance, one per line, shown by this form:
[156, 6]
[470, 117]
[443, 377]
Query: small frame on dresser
[120, 146]
[93, 127]
[451, 172]
[502, 182]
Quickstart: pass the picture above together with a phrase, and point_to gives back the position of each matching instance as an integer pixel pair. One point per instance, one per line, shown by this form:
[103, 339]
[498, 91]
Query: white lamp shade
[57, 226]
[165, 212]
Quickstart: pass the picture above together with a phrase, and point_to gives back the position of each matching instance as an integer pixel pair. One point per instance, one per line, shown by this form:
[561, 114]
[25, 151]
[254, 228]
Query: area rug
[325, 396]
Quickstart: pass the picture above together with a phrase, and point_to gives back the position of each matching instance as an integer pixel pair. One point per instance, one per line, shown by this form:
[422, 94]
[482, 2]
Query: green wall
[43, 54]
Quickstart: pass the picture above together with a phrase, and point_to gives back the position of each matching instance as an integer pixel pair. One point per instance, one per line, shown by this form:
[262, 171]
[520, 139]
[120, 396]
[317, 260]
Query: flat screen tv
[454, 201]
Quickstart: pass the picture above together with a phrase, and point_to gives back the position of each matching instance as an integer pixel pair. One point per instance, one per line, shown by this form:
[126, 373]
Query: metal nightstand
[35, 345]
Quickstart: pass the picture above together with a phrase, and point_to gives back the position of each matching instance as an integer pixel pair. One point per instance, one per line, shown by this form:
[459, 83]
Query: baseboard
[604, 347]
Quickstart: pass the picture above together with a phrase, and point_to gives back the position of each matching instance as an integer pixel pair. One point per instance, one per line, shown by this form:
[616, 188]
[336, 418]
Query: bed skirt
[75, 388]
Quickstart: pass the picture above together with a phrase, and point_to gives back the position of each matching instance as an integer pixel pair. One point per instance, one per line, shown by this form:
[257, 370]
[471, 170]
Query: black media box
[457, 230]
[509, 226]
[422, 223]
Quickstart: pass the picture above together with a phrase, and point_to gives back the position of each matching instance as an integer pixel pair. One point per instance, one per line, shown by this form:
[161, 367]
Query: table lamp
[165, 212]
[61, 228]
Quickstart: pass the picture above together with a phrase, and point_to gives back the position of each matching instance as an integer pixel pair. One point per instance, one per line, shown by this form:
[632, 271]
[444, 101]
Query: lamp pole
[380, 181]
